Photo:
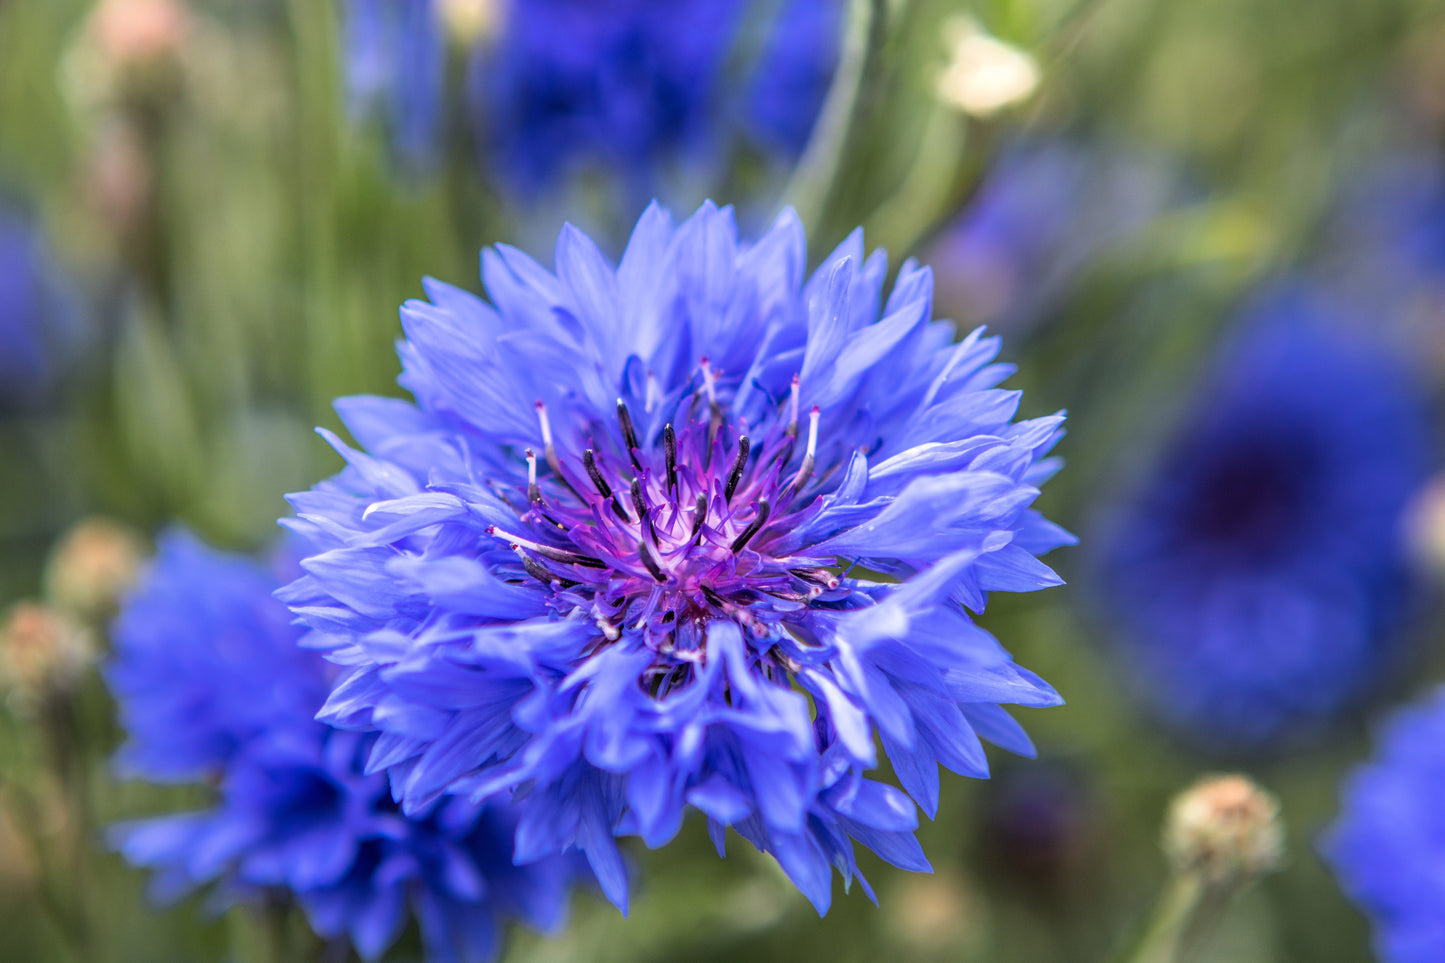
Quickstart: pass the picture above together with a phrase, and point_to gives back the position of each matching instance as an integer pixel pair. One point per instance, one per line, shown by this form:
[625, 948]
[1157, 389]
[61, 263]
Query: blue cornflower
[688, 531]
[1389, 843]
[1258, 573]
[572, 85]
[395, 57]
[205, 664]
[210, 681]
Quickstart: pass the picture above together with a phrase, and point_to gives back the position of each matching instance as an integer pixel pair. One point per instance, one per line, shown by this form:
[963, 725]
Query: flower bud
[1226, 828]
[91, 566]
[129, 51]
[984, 75]
[469, 22]
[41, 652]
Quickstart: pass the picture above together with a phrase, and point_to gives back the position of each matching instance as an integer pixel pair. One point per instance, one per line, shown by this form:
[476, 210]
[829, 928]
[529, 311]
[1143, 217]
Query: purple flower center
[659, 536]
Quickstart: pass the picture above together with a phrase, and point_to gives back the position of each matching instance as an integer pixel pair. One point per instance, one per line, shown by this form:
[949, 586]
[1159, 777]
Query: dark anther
[669, 444]
[589, 461]
[699, 517]
[568, 558]
[541, 574]
[637, 501]
[714, 598]
[804, 473]
[651, 562]
[739, 463]
[764, 509]
[629, 434]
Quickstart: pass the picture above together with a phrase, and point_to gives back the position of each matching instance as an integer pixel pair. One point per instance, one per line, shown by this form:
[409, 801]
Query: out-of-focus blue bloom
[207, 663]
[639, 87]
[36, 323]
[688, 531]
[791, 81]
[1389, 843]
[1257, 576]
[1041, 215]
[395, 57]
[210, 680]
[572, 84]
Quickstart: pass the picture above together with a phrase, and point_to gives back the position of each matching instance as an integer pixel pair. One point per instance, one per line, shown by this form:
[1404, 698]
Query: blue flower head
[687, 531]
[395, 58]
[1257, 575]
[1389, 842]
[210, 680]
[572, 84]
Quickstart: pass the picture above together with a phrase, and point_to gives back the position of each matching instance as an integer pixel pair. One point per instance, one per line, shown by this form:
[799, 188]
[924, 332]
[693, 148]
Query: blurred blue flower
[207, 663]
[210, 679]
[572, 84]
[1389, 843]
[37, 324]
[690, 531]
[788, 86]
[1258, 574]
[395, 56]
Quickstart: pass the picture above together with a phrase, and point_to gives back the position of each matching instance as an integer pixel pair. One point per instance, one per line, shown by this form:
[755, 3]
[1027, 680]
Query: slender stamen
[669, 445]
[629, 434]
[699, 517]
[806, 472]
[546, 551]
[650, 562]
[793, 407]
[550, 450]
[589, 462]
[817, 576]
[637, 500]
[764, 510]
[534, 494]
[538, 572]
[739, 463]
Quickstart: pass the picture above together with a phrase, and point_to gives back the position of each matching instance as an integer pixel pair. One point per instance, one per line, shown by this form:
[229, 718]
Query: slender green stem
[815, 177]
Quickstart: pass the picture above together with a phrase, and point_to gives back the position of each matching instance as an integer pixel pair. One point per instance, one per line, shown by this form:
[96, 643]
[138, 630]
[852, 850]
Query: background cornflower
[1258, 576]
[212, 684]
[1386, 845]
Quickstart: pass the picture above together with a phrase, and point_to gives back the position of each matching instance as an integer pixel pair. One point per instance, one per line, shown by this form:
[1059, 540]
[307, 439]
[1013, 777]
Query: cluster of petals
[1258, 576]
[697, 530]
[1386, 847]
[212, 685]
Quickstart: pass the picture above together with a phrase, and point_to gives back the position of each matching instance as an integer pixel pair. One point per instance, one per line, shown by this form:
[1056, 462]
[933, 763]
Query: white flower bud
[1226, 828]
[984, 74]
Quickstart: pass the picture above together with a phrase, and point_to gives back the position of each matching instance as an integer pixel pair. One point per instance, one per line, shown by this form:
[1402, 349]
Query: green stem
[1185, 917]
[814, 179]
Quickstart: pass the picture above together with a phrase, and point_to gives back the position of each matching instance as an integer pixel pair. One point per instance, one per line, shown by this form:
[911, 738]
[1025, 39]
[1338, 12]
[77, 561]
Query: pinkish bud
[1226, 828]
[91, 566]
